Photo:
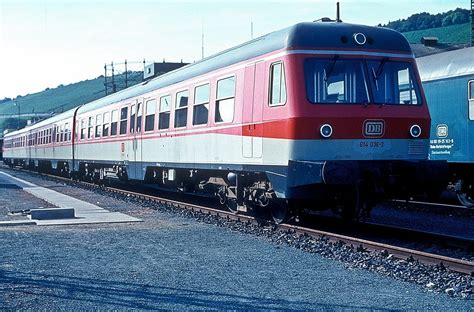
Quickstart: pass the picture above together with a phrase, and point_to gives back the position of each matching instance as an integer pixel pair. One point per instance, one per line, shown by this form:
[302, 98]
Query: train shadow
[33, 290]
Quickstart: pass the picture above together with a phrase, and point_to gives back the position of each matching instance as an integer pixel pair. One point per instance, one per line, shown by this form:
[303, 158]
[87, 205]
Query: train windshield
[361, 82]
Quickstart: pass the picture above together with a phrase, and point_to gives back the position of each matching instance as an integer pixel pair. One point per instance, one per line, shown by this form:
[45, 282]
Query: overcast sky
[44, 43]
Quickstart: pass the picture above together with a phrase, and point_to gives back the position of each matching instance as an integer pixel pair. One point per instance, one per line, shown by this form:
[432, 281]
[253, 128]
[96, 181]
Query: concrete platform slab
[110, 217]
[17, 222]
[86, 213]
[52, 213]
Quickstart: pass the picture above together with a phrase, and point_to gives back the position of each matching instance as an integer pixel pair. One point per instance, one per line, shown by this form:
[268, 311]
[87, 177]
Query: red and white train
[323, 112]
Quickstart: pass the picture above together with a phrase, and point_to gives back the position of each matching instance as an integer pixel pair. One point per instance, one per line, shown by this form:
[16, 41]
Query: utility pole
[17, 104]
[472, 23]
[202, 41]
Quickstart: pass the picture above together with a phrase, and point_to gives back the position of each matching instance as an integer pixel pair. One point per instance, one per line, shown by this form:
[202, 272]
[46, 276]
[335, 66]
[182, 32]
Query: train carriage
[448, 80]
[324, 112]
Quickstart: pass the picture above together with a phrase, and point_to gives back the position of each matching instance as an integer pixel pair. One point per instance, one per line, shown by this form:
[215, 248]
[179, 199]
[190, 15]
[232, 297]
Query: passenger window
[90, 127]
[83, 129]
[105, 126]
[123, 120]
[98, 125]
[67, 132]
[114, 123]
[139, 117]
[225, 100]
[471, 90]
[201, 105]
[132, 119]
[58, 134]
[164, 117]
[471, 99]
[181, 109]
[277, 84]
[407, 94]
[61, 133]
[150, 115]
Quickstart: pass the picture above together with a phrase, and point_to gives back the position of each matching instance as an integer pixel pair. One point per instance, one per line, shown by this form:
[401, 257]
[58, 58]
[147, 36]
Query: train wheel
[465, 194]
[466, 200]
[279, 211]
[232, 205]
[352, 204]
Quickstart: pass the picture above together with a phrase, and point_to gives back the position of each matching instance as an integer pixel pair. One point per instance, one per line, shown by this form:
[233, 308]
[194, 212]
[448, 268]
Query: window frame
[117, 122]
[144, 114]
[119, 132]
[216, 100]
[470, 90]
[175, 109]
[139, 117]
[97, 126]
[202, 103]
[61, 133]
[470, 99]
[270, 84]
[168, 111]
[90, 127]
[133, 118]
[106, 123]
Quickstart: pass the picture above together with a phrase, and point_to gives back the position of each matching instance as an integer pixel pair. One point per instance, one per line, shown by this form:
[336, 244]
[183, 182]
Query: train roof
[447, 64]
[303, 35]
[62, 116]
[313, 35]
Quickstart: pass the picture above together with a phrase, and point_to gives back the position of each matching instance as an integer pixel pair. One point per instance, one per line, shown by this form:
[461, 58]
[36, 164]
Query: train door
[470, 99]
[135, 147]
[254, 88]
[29, 146]
[137, 142]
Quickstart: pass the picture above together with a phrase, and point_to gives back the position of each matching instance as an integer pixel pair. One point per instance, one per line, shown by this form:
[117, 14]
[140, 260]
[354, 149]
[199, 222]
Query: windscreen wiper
[376, 73]
[331, 69]
[380, 68]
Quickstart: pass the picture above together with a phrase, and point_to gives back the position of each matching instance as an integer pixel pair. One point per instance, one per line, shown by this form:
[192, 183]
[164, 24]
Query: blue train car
[448, 81]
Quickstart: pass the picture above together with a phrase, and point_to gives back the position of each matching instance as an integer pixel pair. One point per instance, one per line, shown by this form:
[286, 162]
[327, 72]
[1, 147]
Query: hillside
[426, 20]
[454, 34]
[55, 100]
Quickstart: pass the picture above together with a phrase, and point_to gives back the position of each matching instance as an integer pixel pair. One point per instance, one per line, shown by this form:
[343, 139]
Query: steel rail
[453, 264]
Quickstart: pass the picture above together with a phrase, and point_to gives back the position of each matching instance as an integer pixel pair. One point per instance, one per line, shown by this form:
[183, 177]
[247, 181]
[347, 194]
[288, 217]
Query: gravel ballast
[181, 260]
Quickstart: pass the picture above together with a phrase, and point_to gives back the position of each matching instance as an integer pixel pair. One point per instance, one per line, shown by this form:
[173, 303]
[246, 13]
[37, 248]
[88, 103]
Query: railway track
[439, 208]
[453, 264]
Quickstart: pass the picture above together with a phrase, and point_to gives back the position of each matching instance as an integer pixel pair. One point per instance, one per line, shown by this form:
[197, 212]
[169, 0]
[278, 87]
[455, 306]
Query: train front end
[360, 123]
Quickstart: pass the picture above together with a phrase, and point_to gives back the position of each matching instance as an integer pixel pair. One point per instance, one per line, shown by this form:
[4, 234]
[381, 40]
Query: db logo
[122, 147]
[442, 131]
[374, 128]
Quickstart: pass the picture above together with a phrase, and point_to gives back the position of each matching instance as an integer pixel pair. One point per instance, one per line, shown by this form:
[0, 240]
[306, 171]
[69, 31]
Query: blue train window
[471, 90]
[471, 99]
[360, 82]
[335, 81]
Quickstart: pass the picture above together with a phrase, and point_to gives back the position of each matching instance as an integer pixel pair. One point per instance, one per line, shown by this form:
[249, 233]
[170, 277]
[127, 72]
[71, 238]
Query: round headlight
[325, 131]
[415, 131]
